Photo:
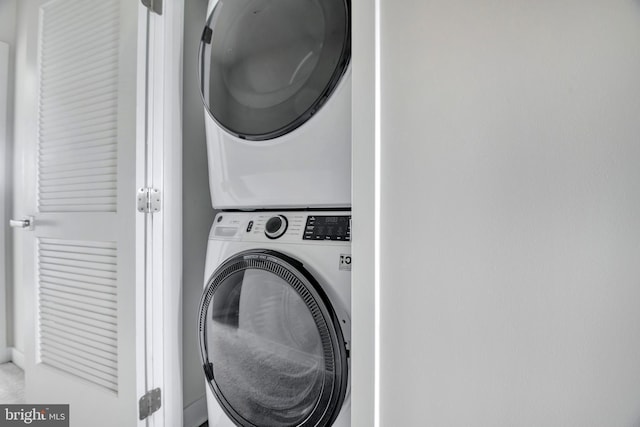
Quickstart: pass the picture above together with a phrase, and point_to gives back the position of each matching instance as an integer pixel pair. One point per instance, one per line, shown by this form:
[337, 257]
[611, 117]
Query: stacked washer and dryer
[274, 318]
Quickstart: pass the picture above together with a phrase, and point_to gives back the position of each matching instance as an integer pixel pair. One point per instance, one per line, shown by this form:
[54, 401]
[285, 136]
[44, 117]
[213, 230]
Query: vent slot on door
[77, 309]
[78, 106]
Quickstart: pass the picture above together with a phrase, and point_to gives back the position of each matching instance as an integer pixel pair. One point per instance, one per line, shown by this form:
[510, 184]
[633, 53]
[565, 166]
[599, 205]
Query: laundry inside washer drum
[272, 384]
[270, 357]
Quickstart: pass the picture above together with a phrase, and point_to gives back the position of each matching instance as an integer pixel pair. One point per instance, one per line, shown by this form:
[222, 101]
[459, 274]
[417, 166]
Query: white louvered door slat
[80, 308]
[100, 103]
[87, 330]
[78, 63]
[73, 157]
[85, 338]
[90, 174]
[88, 346]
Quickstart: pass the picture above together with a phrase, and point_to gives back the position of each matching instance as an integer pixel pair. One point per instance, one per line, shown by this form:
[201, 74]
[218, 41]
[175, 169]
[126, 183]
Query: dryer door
[267, 66]
[271, 344]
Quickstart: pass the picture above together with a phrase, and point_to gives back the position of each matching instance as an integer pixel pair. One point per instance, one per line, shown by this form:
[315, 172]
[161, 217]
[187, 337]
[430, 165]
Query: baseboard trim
[196, 413]
[17, 357]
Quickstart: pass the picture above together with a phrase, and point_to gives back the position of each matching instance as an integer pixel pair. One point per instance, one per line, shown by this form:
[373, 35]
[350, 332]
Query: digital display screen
[328, 228]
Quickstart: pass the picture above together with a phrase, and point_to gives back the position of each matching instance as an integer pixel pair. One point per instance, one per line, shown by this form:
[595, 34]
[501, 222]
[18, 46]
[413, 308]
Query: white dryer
[274, 319]
[275, 80]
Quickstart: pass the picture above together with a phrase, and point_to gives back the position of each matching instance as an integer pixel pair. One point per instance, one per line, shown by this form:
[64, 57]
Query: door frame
[366, 184]
[164, 171]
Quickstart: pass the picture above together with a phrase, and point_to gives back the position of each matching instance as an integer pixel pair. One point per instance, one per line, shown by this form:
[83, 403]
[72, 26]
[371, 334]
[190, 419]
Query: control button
[249, 226]
[276, 226]
[220, 218]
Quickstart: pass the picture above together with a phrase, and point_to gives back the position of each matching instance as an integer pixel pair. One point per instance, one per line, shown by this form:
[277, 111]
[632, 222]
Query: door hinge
[153, 5]
[149, 200]
[150, 403]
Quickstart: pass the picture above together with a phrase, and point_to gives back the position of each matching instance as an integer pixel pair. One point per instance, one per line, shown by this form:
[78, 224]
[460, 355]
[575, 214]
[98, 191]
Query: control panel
[328, 227]
[284, 226]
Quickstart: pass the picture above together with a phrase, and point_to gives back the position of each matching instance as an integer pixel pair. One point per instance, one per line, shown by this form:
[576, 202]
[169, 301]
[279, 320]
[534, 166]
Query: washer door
[267, 66]
[271, 344]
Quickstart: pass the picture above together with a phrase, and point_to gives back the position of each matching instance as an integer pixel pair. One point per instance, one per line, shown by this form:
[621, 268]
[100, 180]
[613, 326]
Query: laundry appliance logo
[345, 262]
[34, 415]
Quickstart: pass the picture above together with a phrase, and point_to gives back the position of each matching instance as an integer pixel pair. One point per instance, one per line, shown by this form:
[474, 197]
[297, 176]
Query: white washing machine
[274, 319]
[275, 80]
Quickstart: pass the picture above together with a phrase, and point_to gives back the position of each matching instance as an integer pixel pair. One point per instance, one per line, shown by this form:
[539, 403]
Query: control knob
[276, 226]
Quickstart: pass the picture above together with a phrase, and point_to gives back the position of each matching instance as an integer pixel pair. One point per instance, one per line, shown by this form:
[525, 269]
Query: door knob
[22, 223]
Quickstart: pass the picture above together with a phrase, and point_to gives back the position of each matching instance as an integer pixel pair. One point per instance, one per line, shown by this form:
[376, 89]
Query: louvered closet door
[85, 349]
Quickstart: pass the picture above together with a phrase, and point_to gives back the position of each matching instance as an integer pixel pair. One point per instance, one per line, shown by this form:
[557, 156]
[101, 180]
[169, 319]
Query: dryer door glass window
[267, 66]
[272, 348]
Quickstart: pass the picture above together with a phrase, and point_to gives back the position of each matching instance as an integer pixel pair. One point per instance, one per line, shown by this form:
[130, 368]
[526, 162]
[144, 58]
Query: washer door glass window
[267, 66]
[272, 348]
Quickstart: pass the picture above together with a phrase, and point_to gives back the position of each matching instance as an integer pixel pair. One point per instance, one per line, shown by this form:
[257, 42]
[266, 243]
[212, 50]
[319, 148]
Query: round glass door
[267, 66]
[271, 345]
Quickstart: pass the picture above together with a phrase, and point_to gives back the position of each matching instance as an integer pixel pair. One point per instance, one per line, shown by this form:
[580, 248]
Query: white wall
[7, 35]
[4, 84]
[4, 74]
[510, 212]
[25, 121]
[24, 108]
[197, 211]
